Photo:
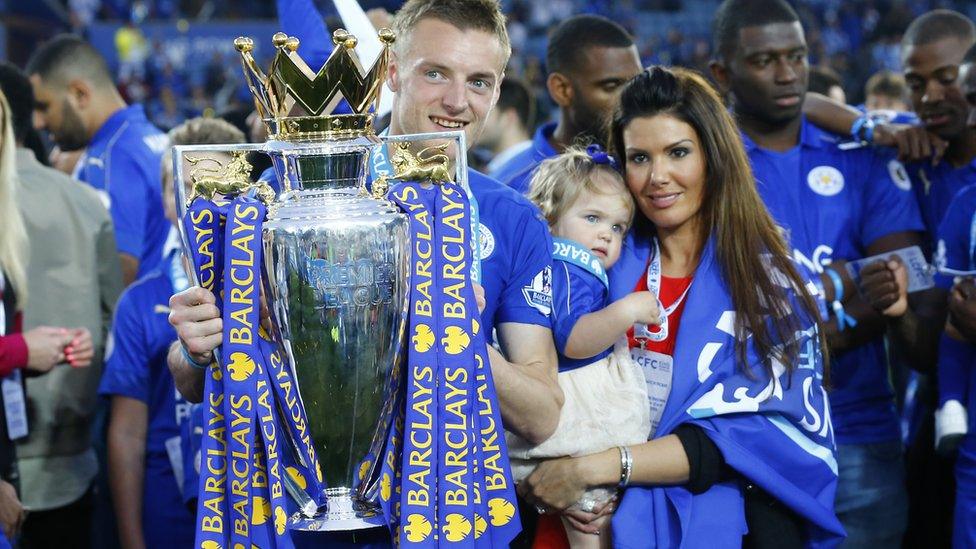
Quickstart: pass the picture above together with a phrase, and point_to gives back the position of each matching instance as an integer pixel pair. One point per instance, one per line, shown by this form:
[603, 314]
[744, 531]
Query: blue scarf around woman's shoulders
[775, 433]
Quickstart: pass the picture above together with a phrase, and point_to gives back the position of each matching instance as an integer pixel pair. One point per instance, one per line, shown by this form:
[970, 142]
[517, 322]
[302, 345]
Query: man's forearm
[870, 325]
[530, 399]
[917, 336]
[188, 380]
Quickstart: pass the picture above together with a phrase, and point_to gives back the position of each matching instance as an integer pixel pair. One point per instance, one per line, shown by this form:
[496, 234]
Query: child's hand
[643, 308]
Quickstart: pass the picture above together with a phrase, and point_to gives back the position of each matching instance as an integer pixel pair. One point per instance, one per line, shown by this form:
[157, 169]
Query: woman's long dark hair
[749, 246]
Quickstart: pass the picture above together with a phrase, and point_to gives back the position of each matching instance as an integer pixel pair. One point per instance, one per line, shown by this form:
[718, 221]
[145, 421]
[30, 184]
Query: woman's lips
[662, 201]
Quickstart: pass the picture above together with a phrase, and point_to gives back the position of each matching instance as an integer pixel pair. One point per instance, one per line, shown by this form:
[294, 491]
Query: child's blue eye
[592, 218]
[619, 228]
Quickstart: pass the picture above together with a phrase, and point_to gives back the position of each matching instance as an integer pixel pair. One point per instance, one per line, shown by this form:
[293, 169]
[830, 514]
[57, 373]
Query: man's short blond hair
[482, 15]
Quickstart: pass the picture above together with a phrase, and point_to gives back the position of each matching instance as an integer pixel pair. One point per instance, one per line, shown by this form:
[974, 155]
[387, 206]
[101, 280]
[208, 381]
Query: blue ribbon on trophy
[242, 494]
[466, 497]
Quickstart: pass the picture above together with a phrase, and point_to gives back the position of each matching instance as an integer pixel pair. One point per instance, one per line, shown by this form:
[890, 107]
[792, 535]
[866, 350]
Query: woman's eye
[679, 152]
[637, 158]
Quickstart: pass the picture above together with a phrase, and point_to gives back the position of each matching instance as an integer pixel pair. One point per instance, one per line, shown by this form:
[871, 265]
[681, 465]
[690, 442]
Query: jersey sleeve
[301, 19]
[127, 364]
[128, 191]
[575, 293]
[957, 236]
[889, 205]
[527, 298]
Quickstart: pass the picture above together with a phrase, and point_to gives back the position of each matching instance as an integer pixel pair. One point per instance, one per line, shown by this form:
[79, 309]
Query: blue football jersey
[122, 162]
[136, 368]
[833, 203]
[517, 172]
[935, 187]
[575, 292]
[516, 256]
[956, 248]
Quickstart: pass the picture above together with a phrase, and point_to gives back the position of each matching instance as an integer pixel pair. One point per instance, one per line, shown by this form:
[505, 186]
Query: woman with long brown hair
[743, 451]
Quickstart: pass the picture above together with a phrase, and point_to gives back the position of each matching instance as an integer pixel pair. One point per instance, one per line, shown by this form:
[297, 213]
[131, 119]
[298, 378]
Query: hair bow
[600, 156]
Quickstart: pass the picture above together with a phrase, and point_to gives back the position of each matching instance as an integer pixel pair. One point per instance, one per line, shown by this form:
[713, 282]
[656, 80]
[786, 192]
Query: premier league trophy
[330, 398]
[335, 263]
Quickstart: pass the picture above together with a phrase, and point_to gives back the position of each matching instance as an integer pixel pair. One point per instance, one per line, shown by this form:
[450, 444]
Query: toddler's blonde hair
[558, 182]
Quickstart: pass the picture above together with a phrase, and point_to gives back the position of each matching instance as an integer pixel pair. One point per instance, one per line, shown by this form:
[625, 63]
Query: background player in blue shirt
[957, 353]
[944, 150]
[836, 205]
[78, 104]
[589, 57]
[146, 464]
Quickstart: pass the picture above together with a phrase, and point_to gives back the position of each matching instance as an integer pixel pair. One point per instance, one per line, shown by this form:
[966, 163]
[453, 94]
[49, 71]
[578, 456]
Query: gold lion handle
[228, 180]
[429, 164]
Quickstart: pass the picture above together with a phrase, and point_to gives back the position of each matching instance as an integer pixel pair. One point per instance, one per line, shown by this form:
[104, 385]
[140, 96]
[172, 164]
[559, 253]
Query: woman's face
[665, 169]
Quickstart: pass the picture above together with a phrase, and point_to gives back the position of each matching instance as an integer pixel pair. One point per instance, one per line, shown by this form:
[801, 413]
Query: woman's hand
[80, 351]
[555, 485]
[592, 522]
[45, 347]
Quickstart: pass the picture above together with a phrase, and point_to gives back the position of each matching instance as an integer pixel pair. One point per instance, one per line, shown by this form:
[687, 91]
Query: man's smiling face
[445, 79]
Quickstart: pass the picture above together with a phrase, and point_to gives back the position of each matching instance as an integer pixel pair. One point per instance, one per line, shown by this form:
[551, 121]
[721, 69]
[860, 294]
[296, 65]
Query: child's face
[598, 220]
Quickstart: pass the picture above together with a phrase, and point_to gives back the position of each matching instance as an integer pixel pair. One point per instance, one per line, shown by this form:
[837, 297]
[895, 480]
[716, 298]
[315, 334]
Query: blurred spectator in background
[589, 58]
[886, 90]
[826, 81]
[79, 105]
[508, 129]
[74, 279]
[35, 351]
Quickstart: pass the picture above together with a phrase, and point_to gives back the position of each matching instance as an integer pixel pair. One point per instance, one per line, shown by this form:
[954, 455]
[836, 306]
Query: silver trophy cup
[336, 259]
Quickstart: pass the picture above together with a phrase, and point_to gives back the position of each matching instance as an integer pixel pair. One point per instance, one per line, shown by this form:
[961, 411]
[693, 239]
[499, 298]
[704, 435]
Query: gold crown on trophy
[297, 104]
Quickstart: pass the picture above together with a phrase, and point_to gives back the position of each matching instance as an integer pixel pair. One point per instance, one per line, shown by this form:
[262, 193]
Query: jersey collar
[134, 113]
[810, 137]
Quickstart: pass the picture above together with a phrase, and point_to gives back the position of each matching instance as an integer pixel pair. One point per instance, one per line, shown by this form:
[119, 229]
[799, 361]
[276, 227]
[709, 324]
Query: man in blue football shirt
[77, 102]
[444, 89]
[589, 57]
[944, 148]
[932, 52]
[836, 204]
[956, 253]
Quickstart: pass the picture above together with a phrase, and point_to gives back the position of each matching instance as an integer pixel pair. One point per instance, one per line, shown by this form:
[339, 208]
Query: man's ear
[560, 89]
[720, 74]
[79, 93]
[393, 73]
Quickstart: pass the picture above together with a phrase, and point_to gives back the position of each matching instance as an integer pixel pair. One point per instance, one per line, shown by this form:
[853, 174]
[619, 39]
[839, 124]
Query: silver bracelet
[626, 465]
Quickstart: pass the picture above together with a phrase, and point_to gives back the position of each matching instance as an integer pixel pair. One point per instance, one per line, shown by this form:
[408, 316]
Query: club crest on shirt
[486, 241]
[538, 294]
[899, 175]
[825, 180]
